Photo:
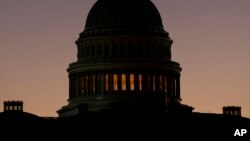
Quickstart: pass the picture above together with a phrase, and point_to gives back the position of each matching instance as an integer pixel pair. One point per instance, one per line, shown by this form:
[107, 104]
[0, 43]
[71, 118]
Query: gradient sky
[211, 42]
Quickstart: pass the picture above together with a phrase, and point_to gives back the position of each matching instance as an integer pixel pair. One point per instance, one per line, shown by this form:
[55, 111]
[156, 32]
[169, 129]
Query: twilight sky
[211, 42]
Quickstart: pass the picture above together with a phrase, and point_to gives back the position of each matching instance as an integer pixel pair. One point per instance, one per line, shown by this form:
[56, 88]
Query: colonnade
[110, 83]
[124, 48]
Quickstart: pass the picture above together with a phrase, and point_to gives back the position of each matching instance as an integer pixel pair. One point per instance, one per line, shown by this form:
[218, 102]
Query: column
[73, 89]
[98, 83]
[102, 51]
[110, 91]
[119, 81]
[90, 84]
[127, 83]
[136, 83]
[178, 88]
[169, 88]
[106, 86]
[70, 88]
[173, 88]
[157, 84]
[144, 83]
[82, 52]
[87, 84]
[97, 88]
[77, 85]
[109, 50]
[83, 84]
[80, 85]
[93, 78]
[102, 83]
[96, 50]
[118, 52]
[85, 51]
[163, 84]
[154, 83]
[151, 84]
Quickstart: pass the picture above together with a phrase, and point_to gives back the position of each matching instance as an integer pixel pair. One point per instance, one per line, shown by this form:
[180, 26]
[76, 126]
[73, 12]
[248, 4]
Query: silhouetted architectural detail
[13, 106]
[14, 120]
[123, 61]
[232, 110]
[123, 64]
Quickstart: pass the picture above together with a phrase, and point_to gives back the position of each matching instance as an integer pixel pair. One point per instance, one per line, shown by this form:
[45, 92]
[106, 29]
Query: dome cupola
[111, 17]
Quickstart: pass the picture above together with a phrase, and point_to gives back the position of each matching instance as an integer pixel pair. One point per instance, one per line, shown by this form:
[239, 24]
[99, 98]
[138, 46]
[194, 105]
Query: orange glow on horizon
[211, 43]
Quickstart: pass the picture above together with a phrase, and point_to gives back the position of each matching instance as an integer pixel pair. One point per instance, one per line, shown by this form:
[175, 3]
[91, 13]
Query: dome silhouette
[123, 62]
[109, 17]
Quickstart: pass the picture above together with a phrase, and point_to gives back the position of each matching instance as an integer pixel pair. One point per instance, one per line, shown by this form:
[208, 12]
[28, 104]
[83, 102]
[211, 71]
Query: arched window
[132, 82]
[106, 82]
[123, 82]
[140, 82]
[93, 83]
[115, 82]
[161, 82]
[82, 85]
[153, 82]
[87, 82]
[166, 83]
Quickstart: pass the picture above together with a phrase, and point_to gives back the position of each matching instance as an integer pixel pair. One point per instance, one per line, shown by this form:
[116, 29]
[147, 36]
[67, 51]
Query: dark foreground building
[123, 83]
[121, 125]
